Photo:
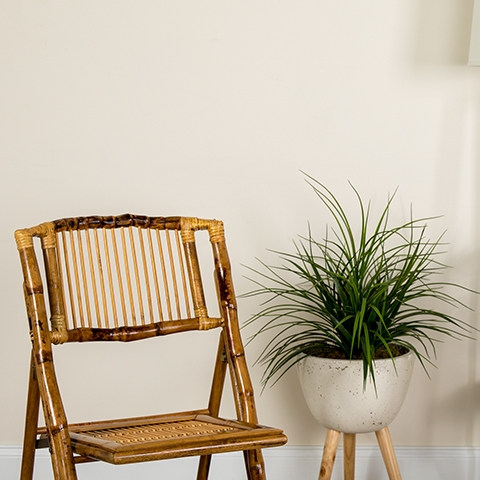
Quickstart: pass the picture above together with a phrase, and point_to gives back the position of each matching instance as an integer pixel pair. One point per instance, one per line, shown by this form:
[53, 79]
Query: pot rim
[408, 353]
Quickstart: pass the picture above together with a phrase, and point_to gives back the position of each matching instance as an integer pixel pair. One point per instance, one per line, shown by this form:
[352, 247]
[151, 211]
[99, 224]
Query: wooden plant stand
[349, 440]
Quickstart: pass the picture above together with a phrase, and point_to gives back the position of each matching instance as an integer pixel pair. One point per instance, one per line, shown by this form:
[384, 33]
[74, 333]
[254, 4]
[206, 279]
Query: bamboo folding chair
[129, 278]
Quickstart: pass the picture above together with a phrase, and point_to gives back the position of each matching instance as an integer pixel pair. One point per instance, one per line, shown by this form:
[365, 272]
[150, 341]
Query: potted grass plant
[354, 298]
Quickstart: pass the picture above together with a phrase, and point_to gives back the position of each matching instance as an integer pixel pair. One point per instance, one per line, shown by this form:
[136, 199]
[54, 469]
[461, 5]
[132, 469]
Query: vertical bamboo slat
[69, 280]
[119, 277]
[164, 276]
[110, 278]
[155, 275]
[93, 277]
[61, 279]
[84, 278]
[137, 276]
[76, 279]
[101, 279]
[128, 277]
[172, 272]
[145, 275]
[182, 272]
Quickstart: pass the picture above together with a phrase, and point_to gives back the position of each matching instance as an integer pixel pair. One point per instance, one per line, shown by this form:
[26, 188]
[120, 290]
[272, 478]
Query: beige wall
[210, 108]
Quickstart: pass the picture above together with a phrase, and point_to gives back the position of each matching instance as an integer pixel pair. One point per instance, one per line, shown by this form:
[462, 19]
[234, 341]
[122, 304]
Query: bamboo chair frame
[128, 278]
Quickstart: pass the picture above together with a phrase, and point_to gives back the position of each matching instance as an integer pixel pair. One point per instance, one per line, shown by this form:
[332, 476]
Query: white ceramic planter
[335, 394]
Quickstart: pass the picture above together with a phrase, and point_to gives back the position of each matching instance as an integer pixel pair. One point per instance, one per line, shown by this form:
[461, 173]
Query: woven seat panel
[162, 437]
[159, 431]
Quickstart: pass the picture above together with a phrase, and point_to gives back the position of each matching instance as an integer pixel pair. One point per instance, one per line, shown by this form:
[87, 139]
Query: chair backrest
[131, 277]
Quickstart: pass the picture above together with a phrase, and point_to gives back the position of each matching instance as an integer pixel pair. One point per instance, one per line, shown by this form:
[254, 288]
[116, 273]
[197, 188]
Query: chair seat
[168, 436]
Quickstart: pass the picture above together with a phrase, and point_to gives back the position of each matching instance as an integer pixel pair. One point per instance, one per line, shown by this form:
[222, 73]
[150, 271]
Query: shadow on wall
[456, 174]
[455, 407]
[442, 39]
[456, 196]
[442, 34]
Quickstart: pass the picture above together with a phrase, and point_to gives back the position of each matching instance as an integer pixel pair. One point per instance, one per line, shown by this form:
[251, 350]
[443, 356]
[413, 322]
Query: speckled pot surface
[336, 396]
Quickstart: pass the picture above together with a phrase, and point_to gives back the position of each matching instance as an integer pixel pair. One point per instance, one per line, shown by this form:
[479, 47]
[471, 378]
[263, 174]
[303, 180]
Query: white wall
[211, 108]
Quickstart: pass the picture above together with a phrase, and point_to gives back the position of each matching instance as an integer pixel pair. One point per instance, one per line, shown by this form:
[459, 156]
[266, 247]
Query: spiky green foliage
[355, 293]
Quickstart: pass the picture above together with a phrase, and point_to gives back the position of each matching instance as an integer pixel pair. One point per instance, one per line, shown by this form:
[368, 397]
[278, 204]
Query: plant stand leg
[388, 453]
[349, 442]
[329, 453]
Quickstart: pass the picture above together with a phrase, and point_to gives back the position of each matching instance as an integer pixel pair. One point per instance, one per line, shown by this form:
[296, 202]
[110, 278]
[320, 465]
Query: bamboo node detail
[217, 232]
[207, 323]
[59, 332]
[188, 228]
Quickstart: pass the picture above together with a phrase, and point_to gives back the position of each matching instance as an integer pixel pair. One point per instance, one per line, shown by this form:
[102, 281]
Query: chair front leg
[31, 425]
[57, 427]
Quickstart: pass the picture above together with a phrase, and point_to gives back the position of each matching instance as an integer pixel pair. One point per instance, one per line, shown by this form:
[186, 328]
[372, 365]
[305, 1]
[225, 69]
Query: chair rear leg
[216, 391]
[254, 464]
[204, 467]
[31, 425]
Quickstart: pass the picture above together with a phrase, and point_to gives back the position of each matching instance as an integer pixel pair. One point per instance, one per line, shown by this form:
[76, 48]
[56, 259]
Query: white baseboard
[284, 463]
